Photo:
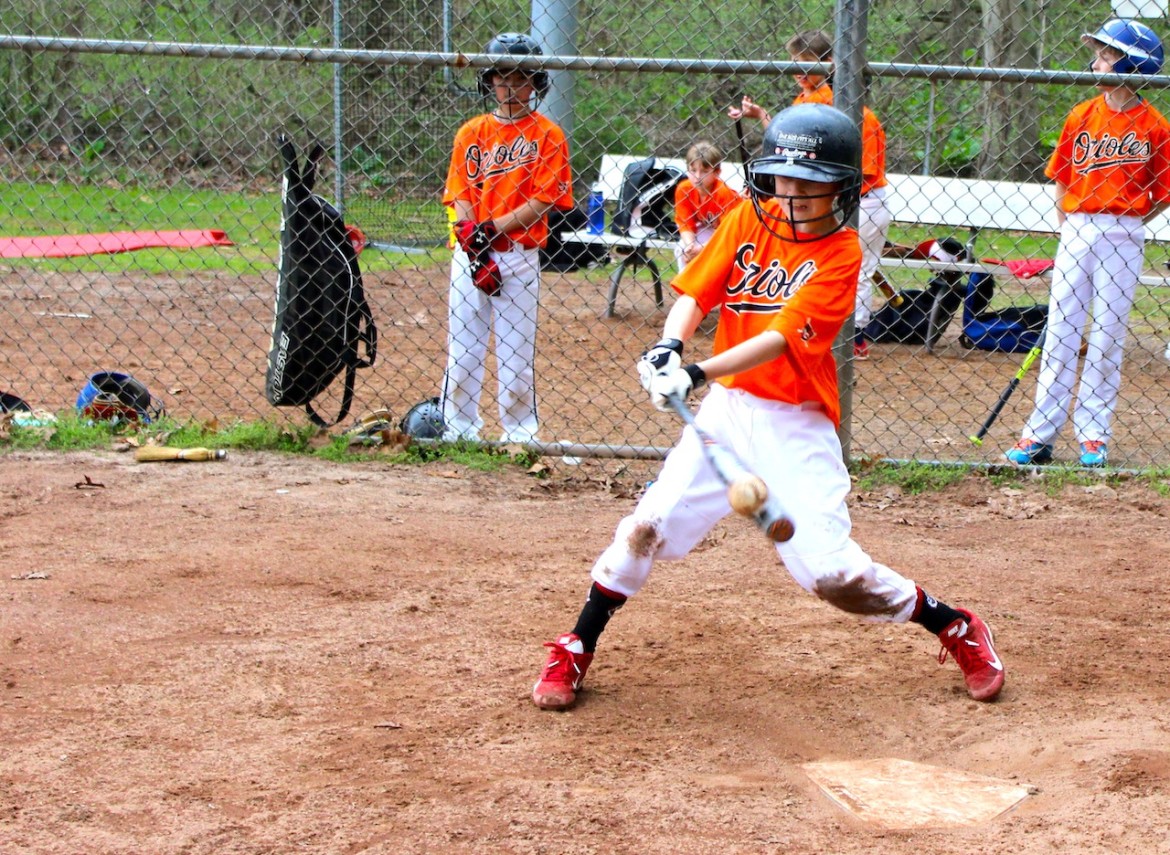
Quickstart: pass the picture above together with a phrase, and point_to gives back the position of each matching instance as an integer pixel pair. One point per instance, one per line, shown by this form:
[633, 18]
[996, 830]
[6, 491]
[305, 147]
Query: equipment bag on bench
[321, 315]
[646, 199]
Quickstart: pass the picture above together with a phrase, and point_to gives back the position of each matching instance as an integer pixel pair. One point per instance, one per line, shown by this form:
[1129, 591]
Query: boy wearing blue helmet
[1112, 173]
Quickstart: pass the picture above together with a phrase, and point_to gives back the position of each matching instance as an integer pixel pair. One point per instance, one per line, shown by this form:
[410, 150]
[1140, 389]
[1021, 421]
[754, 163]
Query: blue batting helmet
[115, 397]
[1141, 45]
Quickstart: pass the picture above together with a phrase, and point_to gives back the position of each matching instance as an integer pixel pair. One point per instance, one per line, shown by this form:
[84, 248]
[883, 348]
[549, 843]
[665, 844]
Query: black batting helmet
[813, 142]
[424, 420]
[512, 44]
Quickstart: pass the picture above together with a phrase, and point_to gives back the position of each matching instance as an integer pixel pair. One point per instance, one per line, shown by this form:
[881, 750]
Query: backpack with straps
[646, 198]
[321, 314]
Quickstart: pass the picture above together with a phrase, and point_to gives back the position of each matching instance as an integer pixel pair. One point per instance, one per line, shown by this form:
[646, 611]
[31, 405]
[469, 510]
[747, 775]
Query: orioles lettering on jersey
[1090, 154]
[771, 285]
[483, 163]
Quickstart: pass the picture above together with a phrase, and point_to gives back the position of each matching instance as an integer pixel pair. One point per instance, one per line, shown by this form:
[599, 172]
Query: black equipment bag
[646, 199]
[923, 315]
[321, 314]
[566, 256]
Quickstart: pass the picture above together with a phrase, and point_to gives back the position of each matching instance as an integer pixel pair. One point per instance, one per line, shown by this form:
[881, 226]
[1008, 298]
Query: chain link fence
[140, 118]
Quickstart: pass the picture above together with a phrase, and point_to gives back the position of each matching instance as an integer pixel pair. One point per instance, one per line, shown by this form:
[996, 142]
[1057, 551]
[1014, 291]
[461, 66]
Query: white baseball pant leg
[796, 452]
[873, 225]
[470, 320]
[1097, 266]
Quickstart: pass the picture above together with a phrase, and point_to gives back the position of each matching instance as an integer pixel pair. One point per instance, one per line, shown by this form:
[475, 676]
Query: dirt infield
[273, 654]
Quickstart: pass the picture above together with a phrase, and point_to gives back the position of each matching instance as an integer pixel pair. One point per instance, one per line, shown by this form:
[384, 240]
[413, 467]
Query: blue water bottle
[596, 210]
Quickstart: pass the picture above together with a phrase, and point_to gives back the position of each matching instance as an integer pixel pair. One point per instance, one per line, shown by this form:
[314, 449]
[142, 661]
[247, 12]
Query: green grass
[70, 432]
[251, 221]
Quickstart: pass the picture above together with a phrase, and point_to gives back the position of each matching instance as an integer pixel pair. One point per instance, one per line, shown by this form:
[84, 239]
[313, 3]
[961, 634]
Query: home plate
[899, 794]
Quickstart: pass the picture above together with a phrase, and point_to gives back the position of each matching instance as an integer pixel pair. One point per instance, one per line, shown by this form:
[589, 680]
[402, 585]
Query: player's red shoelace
[563, 673]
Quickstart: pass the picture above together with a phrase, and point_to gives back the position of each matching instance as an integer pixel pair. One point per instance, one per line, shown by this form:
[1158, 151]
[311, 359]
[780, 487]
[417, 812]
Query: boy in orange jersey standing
[873, 215]
[700, 201]
[1111, 167]
[508, 169]
[782, 273]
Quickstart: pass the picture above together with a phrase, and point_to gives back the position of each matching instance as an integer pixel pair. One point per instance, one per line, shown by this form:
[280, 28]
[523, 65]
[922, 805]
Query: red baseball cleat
[969, 641]
[861, 349]
[563, 673]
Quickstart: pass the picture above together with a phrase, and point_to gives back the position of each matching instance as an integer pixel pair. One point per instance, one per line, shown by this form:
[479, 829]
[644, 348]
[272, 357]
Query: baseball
[747, 495]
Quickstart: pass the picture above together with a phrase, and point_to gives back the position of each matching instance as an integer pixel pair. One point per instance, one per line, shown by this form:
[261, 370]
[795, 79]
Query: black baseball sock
[599, 608]
[934, 614]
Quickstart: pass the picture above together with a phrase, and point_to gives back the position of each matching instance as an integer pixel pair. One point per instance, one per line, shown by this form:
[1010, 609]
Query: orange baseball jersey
[873, 139]
[694, 210]
[805, 291]
[498, 166]
[1111, 162]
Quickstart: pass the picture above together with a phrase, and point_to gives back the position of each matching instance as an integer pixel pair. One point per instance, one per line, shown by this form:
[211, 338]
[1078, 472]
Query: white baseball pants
[873, 225]
[511, 315]
[1097, 267]
[795, 450]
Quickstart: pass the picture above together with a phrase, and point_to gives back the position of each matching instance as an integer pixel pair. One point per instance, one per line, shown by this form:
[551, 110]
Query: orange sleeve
[684, 206]
[552, 178]
[873, 152]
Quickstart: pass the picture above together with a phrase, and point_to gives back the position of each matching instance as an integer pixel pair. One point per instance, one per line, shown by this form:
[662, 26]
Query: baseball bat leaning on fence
[152, 453]
[743, 154]
[748, 494]
[1007, 393]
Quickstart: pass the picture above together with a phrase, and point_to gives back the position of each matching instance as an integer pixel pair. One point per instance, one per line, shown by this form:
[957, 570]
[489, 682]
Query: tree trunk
[1011, 112]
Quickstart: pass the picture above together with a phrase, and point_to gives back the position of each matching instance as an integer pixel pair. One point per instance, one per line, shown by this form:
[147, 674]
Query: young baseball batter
[700, 201]
[508, 169]
[782, 272]
[874, 216]
[1111, 167]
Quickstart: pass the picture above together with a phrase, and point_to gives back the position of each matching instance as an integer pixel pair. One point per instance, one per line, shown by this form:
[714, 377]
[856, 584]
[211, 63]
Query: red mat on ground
[60, 246]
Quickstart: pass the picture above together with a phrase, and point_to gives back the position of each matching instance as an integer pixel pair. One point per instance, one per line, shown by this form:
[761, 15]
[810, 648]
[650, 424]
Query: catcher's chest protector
[321, 313]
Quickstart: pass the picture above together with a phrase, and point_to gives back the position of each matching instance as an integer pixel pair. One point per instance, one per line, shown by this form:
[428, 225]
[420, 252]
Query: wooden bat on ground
[151, 453]
[977, 438]
[741, 483]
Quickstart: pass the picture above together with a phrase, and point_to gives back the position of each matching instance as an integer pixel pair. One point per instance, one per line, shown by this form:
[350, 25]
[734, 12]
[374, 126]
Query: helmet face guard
[515, 45]
[810, 142]
[1142, 49]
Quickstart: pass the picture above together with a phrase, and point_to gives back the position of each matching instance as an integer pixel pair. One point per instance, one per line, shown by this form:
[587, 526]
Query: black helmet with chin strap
[516, 45]
[812, 142]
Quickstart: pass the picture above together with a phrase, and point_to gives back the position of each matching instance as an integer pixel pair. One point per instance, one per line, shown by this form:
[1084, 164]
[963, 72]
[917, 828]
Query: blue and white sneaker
[1029, 451]
[1094, 452]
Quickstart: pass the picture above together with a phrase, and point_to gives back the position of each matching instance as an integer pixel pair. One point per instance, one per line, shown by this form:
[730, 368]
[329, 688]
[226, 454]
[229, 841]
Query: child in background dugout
[700, 201]
[782, 272]
[873, 215]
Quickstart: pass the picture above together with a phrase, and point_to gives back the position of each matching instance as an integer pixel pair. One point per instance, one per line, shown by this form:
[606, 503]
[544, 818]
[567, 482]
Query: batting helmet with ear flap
[1141, 45]
[114, 397]
[512, 44]
[424, 420]
[811, 142]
